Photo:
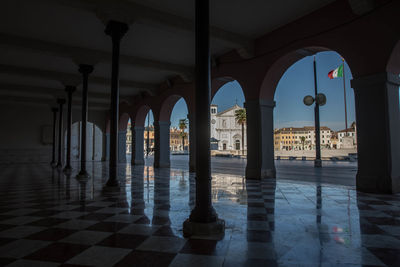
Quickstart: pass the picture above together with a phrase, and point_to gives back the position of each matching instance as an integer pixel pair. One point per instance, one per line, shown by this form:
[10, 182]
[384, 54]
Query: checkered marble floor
[49, 219]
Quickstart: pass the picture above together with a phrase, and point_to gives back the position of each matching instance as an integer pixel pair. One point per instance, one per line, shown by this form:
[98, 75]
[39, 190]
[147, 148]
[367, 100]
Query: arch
[168, 105]
[281, 65]
[141, 115]
[94, 143]
[123, 122]
[218, 82]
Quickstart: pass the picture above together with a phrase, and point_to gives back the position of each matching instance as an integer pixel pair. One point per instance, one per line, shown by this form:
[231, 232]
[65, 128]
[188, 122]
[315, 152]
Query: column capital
[61, 101]
[70, 88]
[379, 78]
[116, 29]
[85, 69]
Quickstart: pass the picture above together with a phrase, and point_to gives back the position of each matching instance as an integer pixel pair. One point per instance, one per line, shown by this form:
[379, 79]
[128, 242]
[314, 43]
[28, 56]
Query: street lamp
[319, 100]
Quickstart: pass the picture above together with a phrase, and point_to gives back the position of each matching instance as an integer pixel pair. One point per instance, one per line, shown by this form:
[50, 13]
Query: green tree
[182, 127]
[240, 116]
[303, 139]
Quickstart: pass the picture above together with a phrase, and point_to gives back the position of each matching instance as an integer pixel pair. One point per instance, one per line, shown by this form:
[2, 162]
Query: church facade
[226, 130]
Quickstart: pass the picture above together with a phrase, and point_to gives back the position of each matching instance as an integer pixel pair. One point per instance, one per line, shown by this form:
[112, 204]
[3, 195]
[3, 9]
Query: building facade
[292, 138]
[175, 139]
[226, 130]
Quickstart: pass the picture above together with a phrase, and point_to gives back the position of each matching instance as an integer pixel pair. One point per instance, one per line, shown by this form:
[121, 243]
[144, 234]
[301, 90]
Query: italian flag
[336, 72]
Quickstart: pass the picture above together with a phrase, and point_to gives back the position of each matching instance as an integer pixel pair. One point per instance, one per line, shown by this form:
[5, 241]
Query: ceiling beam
[48, 102]
[129, 11]
[80, 55]
[74, 79]
[53, 92]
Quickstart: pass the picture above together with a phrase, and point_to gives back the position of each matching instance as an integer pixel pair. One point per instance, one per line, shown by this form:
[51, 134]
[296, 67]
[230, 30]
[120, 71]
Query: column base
[268, 173]
[112, 183]
[213, 231]
[377, 184]
[317, 163]
[111, 186]
[82, 176]
[67, 169]
[258, 174]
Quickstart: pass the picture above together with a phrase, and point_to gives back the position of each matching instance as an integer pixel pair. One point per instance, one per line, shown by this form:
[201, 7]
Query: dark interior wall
[21, 133]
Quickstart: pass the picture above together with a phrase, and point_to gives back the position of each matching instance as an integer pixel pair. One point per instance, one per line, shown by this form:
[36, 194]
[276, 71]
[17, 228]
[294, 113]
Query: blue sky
[296, 83]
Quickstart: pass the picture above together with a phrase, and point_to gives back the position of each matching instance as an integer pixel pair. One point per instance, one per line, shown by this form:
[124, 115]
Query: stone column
[61, 102]
[138, 151]
[70, 90]
[53, 157]
[192, 143]
[116, 30]
[254, 139]
[161, 144]
[85, 70]
[133, 144]
[378, 132]
[122, 147]
[107, 148]
[267, 139]
[260, 139]
[203, 219]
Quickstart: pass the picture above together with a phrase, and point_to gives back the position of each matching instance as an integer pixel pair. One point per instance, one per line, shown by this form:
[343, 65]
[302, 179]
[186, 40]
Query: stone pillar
[53, 157]
[161, 144]
[116, 30]
[61, 102]
[192, 143]
[107, 157]
[85, 70]
[133, 144]
[267, 139]
[70, 90]
[260, 139]
[138, 151]
[122, 147]
[378, 132]
[203, 220]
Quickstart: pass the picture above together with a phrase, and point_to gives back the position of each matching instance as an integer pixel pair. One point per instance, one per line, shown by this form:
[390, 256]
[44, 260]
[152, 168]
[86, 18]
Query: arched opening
[124, 138]
[294, 134]
[94, 142]
[174, 123]
[148, 136]
[179, 130]
[228, 120]
[143, 138]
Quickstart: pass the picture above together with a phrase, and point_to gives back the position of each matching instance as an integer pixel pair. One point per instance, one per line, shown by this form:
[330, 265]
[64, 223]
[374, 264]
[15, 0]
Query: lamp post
[320, 100]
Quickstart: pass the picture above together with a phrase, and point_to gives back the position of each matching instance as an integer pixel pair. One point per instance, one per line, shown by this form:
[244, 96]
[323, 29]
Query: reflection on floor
[48, 219]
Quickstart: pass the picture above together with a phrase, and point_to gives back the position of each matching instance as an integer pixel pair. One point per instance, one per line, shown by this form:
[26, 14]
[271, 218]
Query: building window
[224, 146]
[237, 145]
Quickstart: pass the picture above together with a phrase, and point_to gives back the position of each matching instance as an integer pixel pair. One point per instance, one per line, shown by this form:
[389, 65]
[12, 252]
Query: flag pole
[345, 104]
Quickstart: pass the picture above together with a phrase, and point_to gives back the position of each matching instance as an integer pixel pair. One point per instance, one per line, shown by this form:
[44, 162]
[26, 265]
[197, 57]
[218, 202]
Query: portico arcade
[155, 72]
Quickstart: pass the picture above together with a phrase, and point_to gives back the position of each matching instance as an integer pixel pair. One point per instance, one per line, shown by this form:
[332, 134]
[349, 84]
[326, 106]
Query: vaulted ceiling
[43, 41]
